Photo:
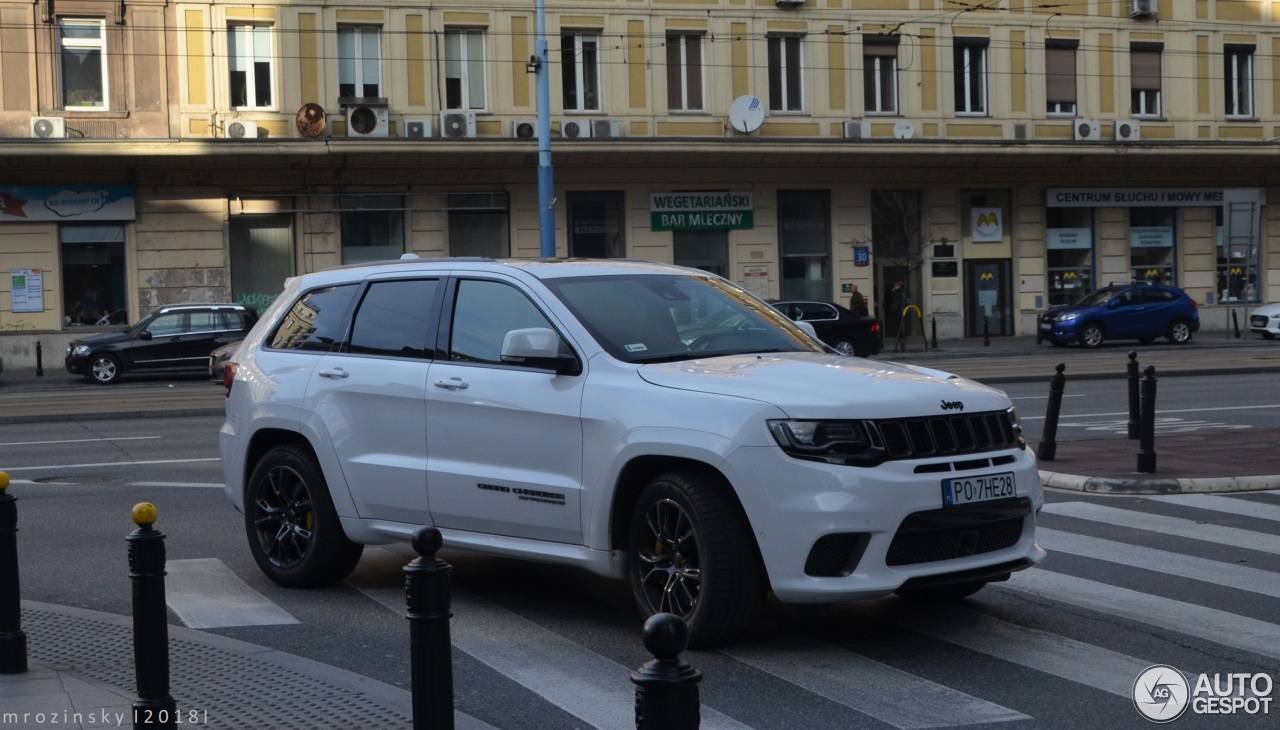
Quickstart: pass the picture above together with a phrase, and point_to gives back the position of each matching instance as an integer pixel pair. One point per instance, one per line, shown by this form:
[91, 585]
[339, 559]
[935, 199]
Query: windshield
[646, 318]
[1093, 299]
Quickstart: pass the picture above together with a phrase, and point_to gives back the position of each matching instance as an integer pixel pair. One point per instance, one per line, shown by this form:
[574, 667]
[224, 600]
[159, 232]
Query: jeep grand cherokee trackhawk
[643, 421]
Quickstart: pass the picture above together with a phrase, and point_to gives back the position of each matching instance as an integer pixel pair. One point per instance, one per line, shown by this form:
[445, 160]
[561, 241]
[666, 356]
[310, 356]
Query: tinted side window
[810, 312]
[1160, 296]
[1130, 297]
[315, 321]
[205, 322]
[483, 313]
[394, 318]
[167, 324]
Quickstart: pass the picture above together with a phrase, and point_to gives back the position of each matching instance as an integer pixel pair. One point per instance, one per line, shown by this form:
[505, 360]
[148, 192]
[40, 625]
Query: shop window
[82, 50]
[1069, 254]
[706, 250]
[94, 288]
[249, 60]
[580, 71]
[261, 258]
[1151, 245]
[464, 69]
[804, 243]
[359, 62]
[786, 84]
[971, 76]
[684, 72]
[1237, 266]
[596, 225]
[1144, 79]
[479, 225]
[1238, 81]
[372, 227]
[880, 73]
[1060, 78]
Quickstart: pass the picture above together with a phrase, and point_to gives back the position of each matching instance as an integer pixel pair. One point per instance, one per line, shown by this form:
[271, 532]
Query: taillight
[229, 376]
[1193, 304]
[875, 328]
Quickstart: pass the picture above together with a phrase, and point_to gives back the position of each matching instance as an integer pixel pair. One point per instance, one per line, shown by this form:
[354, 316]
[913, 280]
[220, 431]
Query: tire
[293, 529]
[689, 553]
[104, 369]
[843, 346]
[947, 593]
[1179, 332]
[1092, 335]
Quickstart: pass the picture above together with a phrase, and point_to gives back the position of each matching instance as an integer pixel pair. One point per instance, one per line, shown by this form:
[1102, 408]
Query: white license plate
[978, 489]
[1046, 326]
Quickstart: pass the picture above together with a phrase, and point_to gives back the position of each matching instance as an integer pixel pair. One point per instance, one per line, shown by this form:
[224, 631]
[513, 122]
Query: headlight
[835, 442]
[79, 350]
[1069, 316]
[1017, 426]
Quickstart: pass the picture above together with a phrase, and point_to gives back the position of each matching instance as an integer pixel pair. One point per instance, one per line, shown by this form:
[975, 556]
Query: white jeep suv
[642, 421]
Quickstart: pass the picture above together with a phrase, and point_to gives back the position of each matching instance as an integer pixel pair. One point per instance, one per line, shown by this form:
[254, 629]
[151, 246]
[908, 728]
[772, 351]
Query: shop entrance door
[988, 298]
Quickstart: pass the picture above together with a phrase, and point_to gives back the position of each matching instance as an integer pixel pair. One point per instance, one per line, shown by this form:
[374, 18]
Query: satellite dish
[904, 129]
[310, 120]
[746, 114]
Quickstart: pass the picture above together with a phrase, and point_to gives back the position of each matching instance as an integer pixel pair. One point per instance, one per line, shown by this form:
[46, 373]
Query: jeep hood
[817, 385]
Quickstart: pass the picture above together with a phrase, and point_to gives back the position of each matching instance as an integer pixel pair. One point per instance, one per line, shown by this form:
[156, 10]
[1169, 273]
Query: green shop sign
[700, 211]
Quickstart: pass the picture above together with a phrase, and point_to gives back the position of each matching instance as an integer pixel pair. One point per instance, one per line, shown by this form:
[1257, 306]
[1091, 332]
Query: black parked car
[172, 339]
[838, 327]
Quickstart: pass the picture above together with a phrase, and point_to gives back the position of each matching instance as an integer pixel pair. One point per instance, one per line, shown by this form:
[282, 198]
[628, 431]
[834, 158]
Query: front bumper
[77, 365]
[1058, 331]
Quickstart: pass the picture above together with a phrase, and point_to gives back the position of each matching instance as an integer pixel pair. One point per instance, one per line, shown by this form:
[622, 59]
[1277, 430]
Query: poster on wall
[66, 203]
[987, 225]
[26, 290]
[755, 279]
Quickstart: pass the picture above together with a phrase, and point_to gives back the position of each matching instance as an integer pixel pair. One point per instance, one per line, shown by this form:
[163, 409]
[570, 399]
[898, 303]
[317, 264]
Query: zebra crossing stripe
[1228, 505]
[1175, 526]
[890, 695]
[1210, 624]
[1058, 656]
[205, 594]
[1229, 575]
[584, 684]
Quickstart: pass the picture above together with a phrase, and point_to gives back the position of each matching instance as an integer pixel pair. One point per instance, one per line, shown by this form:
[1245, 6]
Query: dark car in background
[1139, 311]
[835, 325]
[177, 338]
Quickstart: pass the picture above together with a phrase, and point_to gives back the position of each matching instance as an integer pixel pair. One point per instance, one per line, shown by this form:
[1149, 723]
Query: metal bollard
[13, 642]
[1147, 441]
[666, 687]
[1133, 394]
[933, 323]
[427, 593]
[39, 361]
[154, 706]
[986, 333]
[1235, 323]
[1048, 448]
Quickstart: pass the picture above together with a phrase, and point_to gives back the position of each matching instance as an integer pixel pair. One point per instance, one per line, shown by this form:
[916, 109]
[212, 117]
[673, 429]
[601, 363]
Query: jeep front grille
[963, 433]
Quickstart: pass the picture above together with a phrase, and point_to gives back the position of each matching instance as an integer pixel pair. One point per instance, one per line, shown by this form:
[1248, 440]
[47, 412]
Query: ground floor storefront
[980, 247]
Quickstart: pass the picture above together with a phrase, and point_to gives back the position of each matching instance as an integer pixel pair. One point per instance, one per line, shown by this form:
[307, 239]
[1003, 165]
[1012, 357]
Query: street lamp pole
[546, 183]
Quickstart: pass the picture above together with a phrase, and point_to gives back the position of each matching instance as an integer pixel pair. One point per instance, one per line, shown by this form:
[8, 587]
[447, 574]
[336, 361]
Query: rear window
[316, 320]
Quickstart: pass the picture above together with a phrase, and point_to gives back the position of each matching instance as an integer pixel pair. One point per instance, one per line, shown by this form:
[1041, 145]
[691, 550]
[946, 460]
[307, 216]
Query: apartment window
[372, 227]
[249, 58]
[580, 71]
[785, 81]
[684, 72]
[464, 69]
[1144, 73]
[880, 74]
[359, 61]
[479, 225]
[82, 48]
[1238, 81]
[971, 76]
[1060, 78]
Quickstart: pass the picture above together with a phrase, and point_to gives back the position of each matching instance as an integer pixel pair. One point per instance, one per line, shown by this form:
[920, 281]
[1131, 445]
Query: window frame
[466, 66]
[252, 59]
[68, 45]
[1238, 81]
[1145, 101]
[689, 77]
[1059, 77]
[786, 73]
[967, 77]
[876, 52]
[359, 60]
[584, 73]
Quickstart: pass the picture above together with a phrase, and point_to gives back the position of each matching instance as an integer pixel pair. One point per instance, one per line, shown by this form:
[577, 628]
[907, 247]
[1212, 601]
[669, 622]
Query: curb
[1108, 485]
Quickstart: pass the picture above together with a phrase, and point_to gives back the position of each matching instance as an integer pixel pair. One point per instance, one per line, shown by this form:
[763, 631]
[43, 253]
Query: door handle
[452, 384]
[335, 373]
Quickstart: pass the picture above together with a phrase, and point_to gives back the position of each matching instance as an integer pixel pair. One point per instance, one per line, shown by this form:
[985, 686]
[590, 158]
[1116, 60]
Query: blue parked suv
[1138, 311]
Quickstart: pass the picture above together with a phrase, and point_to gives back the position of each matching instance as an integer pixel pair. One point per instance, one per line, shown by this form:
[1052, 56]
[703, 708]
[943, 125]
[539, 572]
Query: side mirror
[144, 335]
[1113, 303]
[808, 329]
[537, 347]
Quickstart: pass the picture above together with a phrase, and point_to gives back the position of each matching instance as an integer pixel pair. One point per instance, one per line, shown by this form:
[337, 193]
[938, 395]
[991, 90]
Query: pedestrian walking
[894, 304]
[858, 303]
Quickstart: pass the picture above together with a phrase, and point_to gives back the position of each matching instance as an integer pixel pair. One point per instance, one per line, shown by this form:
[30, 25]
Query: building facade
[998, 159]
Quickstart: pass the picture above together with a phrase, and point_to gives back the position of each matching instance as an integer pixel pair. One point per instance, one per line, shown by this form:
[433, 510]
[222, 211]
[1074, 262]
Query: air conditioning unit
[524, 128]
[606, 128]
[239, 129]
[417, 128]
[857, 129]
[48, 127]
[367, 121]
[575, 129]
[457, 124]
[1087, 130]
[1128, 130]
[1142, 8]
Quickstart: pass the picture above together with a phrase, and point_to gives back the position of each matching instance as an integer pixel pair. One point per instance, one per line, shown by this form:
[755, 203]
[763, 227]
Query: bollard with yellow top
[154, 706]
[13, 642]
